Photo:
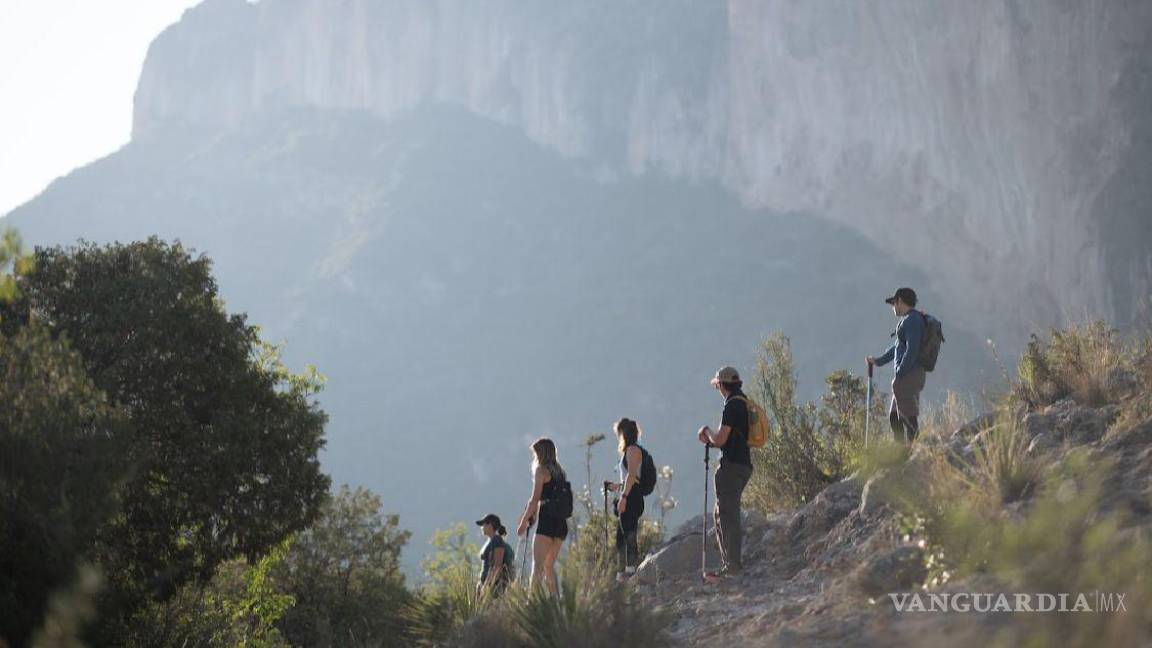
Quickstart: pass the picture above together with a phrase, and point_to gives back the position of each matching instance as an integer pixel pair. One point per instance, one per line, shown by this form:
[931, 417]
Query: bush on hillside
[1077, 363]
[591, 611]
[810, 446]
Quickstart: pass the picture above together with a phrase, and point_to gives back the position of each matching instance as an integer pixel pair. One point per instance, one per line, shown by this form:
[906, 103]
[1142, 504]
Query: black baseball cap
[906, 295]
[492, 519]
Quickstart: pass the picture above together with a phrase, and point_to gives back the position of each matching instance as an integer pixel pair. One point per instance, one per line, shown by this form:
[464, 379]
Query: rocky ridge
[820, 575]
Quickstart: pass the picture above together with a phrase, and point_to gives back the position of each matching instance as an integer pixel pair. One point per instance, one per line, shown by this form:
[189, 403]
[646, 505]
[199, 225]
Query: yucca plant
[1002, 469]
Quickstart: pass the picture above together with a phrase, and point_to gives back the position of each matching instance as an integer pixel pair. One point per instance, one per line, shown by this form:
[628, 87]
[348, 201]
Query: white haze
[68, 69]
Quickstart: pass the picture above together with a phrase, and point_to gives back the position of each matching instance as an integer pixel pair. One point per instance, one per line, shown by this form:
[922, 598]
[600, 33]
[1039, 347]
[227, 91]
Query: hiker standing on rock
[904, 412]
[637, 479]
[734, 471]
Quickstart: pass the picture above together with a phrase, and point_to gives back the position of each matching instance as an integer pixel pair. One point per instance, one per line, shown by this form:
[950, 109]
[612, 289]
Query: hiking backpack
[509, 562]
[930, 342]
[647, 473]
[757, 423]
[559, 505]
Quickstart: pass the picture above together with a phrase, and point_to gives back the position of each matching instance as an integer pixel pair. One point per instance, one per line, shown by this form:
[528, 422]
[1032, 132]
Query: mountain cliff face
[1004, 146]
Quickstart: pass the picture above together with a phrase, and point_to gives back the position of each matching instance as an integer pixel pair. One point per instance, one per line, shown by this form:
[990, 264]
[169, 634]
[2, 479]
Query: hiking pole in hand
[524, 556]
[868, 406]
[704, 521]
[606, 551]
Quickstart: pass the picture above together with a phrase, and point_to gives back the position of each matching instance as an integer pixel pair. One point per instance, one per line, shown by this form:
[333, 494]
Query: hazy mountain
[1011, 140]
[466, 290]
[487, 221]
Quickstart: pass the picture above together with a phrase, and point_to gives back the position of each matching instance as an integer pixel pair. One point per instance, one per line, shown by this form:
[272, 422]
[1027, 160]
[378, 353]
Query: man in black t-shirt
[734, 470]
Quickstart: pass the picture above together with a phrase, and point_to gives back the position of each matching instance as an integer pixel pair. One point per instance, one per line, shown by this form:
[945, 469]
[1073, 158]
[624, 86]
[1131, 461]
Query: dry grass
[1076, 362]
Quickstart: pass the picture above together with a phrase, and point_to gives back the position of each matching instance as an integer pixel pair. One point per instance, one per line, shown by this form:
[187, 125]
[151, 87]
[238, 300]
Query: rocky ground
[820, 575]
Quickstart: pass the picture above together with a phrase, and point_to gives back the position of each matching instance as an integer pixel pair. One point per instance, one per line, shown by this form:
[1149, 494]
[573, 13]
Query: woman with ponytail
[630, 505]
[497, 557]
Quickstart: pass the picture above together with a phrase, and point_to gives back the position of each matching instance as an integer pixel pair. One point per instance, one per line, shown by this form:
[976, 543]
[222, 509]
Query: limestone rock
[899, 570]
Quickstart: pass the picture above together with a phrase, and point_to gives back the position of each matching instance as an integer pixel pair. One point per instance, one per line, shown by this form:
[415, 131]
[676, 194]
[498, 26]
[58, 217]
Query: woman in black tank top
[630, 506]
[550, 531]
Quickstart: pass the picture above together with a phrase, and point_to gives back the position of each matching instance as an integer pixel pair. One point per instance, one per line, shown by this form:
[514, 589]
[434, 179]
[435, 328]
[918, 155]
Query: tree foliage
[221, 442]
[59, 449]
[344, 574]
[811, 445]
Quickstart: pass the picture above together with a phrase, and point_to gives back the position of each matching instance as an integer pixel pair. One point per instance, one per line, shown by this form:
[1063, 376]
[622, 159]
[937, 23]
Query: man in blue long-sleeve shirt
[910, 376]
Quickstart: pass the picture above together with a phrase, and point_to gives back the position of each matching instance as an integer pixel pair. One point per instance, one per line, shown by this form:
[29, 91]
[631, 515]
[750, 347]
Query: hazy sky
[68, 69]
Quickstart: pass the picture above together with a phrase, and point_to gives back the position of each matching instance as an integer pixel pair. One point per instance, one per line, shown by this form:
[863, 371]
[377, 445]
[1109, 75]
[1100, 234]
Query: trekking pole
[868, 405]
[524, 556]
[606, 552]
[704, 521]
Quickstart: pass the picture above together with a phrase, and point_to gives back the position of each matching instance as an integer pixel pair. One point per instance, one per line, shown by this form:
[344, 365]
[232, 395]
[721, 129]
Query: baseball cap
[906, 295]
[726, 375]
[491, 518]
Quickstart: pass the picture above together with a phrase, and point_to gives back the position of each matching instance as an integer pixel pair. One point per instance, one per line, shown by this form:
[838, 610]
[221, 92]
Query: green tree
[344, 573]
[13, 263]
[222, 441]
[59, 473]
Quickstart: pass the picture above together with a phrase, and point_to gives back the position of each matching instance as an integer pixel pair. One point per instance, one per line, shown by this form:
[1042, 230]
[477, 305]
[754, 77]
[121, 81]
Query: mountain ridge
[991, 133]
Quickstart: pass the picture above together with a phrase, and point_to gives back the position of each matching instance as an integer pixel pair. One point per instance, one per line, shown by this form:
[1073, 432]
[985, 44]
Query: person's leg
[894, 418]
[630, 522]
[621, 544]
[555, 545]
[730, 482]
[912, 428]
[717, 527]
[906, 404]
[912, 418]
[735, 538]
[540, 548]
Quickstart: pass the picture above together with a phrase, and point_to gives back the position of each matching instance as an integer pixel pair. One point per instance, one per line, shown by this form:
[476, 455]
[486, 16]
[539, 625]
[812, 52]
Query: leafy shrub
[344, 573]
[810, 446]
[450, 598]
[239, 607]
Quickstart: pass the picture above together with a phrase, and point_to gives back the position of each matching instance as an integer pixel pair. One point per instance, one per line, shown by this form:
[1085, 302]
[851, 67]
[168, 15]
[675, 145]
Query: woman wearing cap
[547, 476]
[630, 506]
[496, 557]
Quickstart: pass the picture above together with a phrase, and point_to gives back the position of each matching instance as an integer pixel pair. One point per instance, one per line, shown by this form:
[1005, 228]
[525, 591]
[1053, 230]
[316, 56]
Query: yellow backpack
[757, 423]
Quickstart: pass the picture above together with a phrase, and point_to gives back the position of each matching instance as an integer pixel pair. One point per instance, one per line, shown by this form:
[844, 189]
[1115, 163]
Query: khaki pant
[906, 393]
[730, 480]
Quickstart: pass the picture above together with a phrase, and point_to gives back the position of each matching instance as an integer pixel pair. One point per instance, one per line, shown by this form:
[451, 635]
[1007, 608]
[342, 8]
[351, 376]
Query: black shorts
[552, 527]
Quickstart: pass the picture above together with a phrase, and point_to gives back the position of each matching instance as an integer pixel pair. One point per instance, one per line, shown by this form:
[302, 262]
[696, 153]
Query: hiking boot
[713, 578]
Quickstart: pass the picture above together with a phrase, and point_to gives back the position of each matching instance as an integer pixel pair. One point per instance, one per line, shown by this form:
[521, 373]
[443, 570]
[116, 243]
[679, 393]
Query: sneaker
[712, 578]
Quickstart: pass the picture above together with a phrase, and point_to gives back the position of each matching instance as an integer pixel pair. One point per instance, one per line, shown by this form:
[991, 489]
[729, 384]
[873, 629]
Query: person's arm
[887, 356]
[716, 437]
[497, 567]
[634, 458]
[533, 507]
[913, 328]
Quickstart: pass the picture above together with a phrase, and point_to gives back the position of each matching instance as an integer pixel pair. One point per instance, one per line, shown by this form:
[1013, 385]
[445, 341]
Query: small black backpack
[559, 503]
[647, 473]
